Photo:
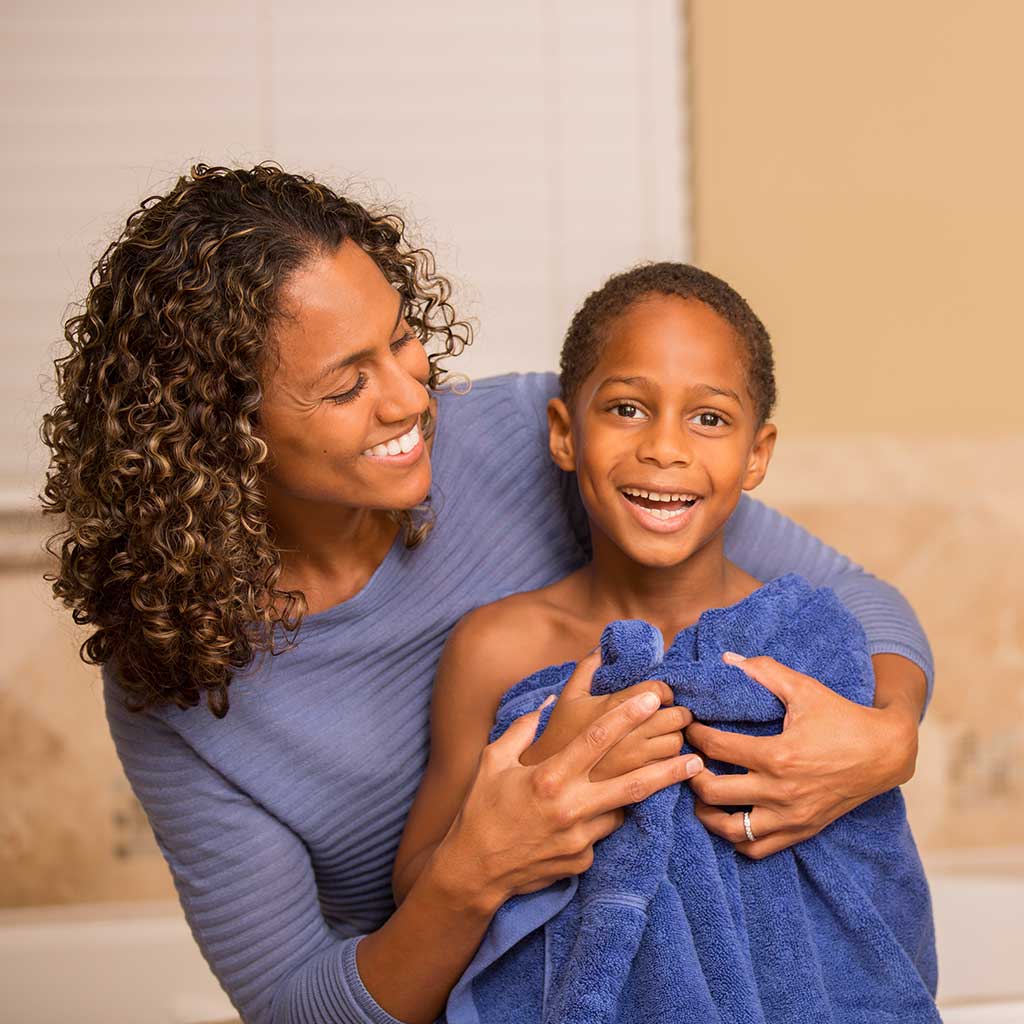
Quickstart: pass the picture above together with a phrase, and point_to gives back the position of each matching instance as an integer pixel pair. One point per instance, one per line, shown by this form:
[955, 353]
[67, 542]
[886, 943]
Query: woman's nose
[403, 391]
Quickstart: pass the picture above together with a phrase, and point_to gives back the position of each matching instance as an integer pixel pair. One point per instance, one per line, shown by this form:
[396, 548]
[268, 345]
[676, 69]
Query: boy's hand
[660, 737]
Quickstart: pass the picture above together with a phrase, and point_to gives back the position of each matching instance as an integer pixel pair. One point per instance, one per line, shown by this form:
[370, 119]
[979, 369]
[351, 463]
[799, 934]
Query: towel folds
[670, 924]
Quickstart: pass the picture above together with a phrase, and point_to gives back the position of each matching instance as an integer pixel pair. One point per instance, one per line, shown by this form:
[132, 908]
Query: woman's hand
[831, 756]
[522, 827]
[659, 737]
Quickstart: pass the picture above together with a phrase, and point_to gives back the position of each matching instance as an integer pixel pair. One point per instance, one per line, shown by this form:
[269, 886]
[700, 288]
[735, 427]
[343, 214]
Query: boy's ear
[560, 436]
[760, 455]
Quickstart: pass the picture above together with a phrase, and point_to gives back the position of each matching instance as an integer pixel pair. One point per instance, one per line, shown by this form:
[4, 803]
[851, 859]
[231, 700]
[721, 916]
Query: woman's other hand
[657, 738]
[831, 756]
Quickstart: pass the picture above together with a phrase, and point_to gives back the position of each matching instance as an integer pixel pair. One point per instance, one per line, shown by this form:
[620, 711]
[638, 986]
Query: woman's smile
[403, 450]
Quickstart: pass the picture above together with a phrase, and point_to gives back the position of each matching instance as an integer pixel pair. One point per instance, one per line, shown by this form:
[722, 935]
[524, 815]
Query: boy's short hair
[587, 332]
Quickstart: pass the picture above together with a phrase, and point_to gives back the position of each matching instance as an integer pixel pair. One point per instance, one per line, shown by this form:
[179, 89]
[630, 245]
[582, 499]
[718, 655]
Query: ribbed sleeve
[246, 885]
[767, 544]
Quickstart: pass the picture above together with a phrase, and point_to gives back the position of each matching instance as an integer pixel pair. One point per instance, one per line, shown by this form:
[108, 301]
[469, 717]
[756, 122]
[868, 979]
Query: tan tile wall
[70, 827]
[942, 521]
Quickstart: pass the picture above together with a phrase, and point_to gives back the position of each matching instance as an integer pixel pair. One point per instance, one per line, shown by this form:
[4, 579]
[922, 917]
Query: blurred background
[854, 170]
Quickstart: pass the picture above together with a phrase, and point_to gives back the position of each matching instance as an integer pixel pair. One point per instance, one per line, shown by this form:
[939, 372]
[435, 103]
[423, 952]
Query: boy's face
[666, 412]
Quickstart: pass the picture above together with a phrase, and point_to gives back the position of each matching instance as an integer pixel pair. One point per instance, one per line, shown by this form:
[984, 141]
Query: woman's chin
[405, 494]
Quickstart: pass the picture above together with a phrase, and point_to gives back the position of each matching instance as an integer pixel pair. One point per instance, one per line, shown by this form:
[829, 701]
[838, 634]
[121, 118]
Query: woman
[250, 435]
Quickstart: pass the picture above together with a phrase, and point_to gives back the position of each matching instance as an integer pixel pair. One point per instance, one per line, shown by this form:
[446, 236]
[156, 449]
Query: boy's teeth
[665, 513]
[657, 495]
[397, 445]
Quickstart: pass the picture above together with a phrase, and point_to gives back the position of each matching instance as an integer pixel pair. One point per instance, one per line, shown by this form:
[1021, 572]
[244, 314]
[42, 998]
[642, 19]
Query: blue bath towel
[670, 924]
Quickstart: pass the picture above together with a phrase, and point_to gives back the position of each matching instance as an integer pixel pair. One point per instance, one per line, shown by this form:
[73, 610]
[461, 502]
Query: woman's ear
[560, 436]
[760, 455]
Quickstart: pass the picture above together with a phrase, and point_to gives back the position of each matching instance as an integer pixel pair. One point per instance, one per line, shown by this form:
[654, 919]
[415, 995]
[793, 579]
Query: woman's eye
[404, 340]
[710, 419]
[626, 411]
[347, 396]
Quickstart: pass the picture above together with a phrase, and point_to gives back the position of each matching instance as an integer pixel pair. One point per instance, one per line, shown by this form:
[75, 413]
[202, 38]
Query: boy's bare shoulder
[507, 640]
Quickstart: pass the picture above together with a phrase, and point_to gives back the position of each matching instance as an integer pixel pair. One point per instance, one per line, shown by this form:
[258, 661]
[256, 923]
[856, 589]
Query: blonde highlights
[165, 547]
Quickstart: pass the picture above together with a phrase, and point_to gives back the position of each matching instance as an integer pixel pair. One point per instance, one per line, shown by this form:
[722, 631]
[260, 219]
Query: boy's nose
[665, 447]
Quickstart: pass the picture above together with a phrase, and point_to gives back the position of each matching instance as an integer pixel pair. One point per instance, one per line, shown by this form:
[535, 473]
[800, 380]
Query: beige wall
[857, 173]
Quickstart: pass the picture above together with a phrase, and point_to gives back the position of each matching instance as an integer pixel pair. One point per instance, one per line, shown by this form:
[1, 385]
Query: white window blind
[538, 146]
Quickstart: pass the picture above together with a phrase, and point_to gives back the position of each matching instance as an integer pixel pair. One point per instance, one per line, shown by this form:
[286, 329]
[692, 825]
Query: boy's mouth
[660, 510]
[661, 500]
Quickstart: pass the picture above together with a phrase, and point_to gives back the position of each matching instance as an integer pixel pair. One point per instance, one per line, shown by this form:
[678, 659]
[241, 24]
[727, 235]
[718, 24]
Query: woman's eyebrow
[354, 357]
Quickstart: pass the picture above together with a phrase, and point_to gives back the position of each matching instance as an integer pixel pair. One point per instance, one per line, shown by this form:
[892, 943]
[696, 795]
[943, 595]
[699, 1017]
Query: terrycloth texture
[671, 924]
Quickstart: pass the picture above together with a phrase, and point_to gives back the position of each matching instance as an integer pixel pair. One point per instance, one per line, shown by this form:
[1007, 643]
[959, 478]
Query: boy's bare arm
[474, 671]
[488, 651]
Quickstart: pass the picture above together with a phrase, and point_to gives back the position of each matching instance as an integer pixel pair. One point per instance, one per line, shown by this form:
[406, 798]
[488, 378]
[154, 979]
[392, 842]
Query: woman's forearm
[899, 683]
[900, 689]
[410, 964]
[403, 881]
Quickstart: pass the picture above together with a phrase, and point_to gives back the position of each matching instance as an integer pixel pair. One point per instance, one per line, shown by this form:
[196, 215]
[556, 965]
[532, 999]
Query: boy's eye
[710, 419]
[626, 411]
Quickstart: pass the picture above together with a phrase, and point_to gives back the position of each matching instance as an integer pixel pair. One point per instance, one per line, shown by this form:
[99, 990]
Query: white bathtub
[134, 964]
[978, 901]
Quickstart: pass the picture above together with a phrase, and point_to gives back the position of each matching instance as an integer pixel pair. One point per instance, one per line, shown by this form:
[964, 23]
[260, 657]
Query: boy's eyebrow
[727, 392]
[633, 381]
[645, 382]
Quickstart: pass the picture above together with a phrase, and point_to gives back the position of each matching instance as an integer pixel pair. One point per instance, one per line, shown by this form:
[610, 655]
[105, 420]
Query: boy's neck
[670, 598]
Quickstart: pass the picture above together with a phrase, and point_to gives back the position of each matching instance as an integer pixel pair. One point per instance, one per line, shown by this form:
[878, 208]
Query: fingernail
[732, 658]
[547, 700]
[648, 701]
[694, 765]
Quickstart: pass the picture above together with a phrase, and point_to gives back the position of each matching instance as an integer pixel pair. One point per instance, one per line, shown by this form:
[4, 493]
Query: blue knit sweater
[280, 822]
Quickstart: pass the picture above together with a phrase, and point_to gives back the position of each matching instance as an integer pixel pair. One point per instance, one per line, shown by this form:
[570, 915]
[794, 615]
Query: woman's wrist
[457, 878]
[410, 964]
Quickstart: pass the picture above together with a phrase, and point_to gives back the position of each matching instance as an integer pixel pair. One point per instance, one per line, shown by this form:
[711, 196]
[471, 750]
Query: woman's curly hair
[166, 549]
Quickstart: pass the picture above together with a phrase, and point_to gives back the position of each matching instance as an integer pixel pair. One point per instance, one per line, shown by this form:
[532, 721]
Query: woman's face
[345, 390]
